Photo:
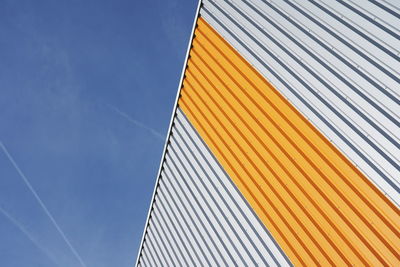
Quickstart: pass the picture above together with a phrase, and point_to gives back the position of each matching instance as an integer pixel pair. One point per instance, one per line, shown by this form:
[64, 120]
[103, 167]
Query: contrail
[42, 205]
[137, 123]
[19, 225]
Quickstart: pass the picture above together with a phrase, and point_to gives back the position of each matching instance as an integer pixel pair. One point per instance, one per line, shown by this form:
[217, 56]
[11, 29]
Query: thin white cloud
[42, 205]
[136, 123]
[28, 235]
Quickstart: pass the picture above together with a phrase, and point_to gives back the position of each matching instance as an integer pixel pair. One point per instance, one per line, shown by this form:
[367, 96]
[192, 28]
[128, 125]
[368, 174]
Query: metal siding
[316, 204]
[199, 217]
[342, 76]
[187, 255]
[203, 228]
[159, 232]
[262, 160]
[191, 239]
[197, 233]
[230, 197]
[153, 251]
[167, 235]
[145, 260]
[157, 249]
[390, 6]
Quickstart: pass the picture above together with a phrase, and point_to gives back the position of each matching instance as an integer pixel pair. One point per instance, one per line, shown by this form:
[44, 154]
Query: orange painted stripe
[319, 207]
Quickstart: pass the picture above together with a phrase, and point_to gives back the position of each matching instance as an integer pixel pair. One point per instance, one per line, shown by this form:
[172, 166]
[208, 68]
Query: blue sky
[86, 93]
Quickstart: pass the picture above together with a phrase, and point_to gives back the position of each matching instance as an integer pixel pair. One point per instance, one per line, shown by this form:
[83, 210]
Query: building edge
[171, 123]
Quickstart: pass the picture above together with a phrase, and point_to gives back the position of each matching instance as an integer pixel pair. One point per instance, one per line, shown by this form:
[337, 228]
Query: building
[284, 145]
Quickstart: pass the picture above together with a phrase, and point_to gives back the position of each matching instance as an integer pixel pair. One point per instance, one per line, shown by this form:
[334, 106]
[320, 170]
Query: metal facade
[199, 216]
[284, 145]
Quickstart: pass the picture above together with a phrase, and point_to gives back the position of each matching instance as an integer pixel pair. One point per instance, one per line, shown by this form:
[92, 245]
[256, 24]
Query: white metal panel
[218, 226]
[337, 83]
[157, 249]
[169, 237]
[353, 15]
[391, 6]
[374, 11]
[162, 244]
[154, 252]
[346, 48]
[195, 235]
[183, 244]
[145, 260]
[343, 32]
[204, 229]
[199, 218]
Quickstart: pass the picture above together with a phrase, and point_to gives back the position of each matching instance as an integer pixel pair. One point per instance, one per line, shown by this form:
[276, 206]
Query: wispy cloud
[28, 235]
[137, 123]
[42, 205]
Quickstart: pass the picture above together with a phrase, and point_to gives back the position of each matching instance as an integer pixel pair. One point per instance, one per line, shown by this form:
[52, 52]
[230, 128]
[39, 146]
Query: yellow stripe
[317, 205]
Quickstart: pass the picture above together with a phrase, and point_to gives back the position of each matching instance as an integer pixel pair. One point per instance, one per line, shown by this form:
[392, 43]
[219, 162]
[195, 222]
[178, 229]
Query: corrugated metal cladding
[337, 62]
[284, 148]
[199, 217]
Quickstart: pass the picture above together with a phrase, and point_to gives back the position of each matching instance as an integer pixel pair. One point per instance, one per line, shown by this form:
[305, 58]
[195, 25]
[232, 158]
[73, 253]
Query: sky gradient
[86, 94]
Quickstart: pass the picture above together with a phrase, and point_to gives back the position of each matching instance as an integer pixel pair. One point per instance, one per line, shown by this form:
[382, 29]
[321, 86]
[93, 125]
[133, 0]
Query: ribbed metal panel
[286, 141]
[199, 217]
[319, 207]
[337, 62]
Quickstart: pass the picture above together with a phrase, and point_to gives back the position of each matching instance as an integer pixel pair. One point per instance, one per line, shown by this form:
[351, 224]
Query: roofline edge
[197, 14]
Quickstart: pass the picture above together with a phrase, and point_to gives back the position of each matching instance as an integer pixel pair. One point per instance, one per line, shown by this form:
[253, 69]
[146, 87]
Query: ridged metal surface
[285, 146]
[199, 218]
[337, 62]
[318, 206]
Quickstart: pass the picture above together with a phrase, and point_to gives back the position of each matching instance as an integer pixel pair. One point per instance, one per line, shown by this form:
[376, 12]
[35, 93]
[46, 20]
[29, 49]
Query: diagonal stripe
[317, 205]
[199, 217]
[344, 86]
